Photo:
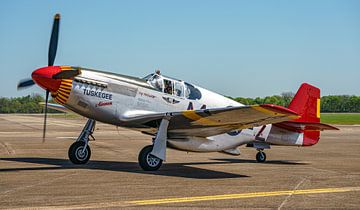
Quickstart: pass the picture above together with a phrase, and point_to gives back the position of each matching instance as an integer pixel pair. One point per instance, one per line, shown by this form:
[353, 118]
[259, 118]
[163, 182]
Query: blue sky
[236, 48]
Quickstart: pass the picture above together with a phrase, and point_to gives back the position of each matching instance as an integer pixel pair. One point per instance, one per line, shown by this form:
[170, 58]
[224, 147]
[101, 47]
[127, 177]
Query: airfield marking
[289, 196]
[197, 198]
[242, 195]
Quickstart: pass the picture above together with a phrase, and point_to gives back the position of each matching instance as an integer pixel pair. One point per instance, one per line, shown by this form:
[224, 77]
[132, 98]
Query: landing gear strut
[151, 157]
[79, 152]
[261, 156]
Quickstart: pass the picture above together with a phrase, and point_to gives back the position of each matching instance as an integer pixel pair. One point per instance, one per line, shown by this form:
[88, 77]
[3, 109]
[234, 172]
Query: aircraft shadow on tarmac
[169, 169]
[279, 162]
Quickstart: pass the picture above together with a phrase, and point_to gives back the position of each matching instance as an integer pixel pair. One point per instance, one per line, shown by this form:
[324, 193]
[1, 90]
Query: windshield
[192, 92]
[156, 81]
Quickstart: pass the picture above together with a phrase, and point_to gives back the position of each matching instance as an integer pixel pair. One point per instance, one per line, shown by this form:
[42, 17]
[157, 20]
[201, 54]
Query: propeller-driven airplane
[175, 113]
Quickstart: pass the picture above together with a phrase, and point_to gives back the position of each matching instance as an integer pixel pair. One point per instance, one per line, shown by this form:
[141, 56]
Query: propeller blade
[54, 40]
[67, 74]
[25, 83]
[45, 111]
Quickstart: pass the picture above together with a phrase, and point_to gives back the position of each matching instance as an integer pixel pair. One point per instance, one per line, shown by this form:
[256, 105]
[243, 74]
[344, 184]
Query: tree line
[24, 104]
[335, 103]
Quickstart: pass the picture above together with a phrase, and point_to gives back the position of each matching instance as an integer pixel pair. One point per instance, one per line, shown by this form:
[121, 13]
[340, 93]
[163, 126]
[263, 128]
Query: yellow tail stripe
[318, 108]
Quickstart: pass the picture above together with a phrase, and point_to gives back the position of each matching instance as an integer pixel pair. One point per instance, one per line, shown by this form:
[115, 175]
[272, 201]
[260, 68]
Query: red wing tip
[281, 109]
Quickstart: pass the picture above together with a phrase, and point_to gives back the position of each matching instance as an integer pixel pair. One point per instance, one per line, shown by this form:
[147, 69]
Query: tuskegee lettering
[98, 94]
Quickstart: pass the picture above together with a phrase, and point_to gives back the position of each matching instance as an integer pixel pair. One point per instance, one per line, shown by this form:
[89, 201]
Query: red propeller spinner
[44, 78]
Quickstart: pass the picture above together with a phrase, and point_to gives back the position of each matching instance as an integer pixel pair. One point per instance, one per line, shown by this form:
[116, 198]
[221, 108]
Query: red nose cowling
[43, 77]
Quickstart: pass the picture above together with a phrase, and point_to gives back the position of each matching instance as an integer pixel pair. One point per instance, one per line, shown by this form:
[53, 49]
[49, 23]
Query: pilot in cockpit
[157, 81]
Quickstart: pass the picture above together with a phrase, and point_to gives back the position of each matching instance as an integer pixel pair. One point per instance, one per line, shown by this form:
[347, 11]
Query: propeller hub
[44, 78]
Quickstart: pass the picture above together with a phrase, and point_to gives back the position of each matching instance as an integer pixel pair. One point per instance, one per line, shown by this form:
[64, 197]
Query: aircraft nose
[43, 77]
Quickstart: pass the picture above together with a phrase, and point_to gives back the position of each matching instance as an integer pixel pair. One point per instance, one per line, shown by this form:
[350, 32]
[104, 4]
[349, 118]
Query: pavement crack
[8, 192]
[7, 148]
[289, 196]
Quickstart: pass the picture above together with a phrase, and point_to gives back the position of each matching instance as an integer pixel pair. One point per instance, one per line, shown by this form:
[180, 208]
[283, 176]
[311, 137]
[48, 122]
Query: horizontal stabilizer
[304, 126]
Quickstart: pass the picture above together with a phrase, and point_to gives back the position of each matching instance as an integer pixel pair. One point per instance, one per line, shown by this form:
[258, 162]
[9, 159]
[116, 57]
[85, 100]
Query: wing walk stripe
[272, 113]
[190, 114]
[266, 111]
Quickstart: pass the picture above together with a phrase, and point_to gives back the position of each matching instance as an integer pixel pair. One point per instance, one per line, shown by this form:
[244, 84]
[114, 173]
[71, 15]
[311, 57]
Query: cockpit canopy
[173, 86]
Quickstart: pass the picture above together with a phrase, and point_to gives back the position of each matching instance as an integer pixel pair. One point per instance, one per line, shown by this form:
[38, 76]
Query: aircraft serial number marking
[98, 94]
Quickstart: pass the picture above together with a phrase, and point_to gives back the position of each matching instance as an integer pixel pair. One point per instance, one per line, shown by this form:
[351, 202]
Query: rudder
[306, 103]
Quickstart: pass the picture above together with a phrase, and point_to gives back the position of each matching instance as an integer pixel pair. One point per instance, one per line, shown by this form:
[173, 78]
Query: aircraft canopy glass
[173, 86]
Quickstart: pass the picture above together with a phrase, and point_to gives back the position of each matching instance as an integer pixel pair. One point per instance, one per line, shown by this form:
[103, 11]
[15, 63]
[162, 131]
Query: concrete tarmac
[39, 175]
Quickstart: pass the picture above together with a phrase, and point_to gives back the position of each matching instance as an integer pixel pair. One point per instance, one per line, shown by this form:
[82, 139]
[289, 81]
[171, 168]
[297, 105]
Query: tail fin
[307, 104]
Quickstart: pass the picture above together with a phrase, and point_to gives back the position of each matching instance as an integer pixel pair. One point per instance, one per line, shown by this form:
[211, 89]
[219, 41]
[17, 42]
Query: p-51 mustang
[175, 113]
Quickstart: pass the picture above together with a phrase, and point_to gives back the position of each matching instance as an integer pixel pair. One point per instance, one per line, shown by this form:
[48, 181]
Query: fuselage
[114, 98]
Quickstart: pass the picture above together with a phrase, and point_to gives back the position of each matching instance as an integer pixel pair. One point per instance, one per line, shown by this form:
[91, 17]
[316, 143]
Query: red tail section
[307, 104]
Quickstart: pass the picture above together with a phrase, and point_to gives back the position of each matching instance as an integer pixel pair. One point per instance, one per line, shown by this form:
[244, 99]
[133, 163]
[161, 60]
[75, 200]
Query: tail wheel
[77, 154]
[147, 161]
[261, 157]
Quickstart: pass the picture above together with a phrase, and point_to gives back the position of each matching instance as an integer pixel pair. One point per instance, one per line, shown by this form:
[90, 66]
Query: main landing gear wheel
[261, 157]
[147, 161]
[77, 154]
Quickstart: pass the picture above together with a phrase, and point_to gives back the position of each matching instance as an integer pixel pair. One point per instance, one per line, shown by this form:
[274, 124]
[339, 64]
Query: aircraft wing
[210, 122]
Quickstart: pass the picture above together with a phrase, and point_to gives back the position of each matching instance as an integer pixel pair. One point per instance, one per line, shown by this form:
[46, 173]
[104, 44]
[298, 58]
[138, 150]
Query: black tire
[147, 161]
[261, 157]
[75, 153]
